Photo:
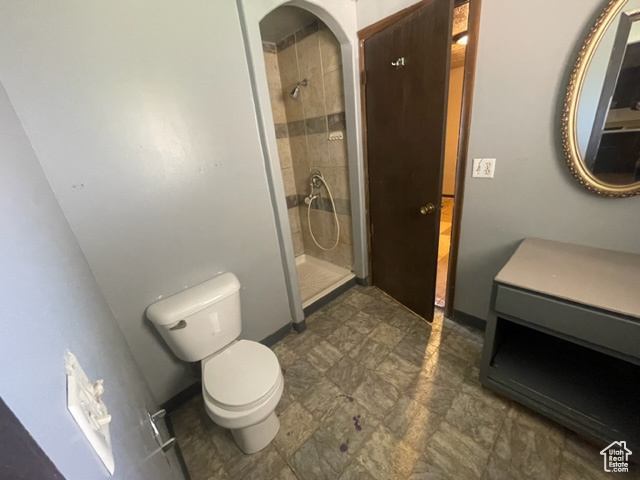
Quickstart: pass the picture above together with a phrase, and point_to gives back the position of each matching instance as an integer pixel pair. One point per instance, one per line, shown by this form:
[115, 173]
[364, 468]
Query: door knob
[427, 209]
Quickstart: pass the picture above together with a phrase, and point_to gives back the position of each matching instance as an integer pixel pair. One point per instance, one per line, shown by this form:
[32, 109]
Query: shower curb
[321, 302]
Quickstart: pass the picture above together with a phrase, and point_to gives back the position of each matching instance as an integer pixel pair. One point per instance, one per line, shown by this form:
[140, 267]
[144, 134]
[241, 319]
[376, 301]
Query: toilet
[241, 380]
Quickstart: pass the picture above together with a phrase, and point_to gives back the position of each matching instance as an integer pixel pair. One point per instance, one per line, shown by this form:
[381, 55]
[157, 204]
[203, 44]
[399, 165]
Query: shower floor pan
[317, 278]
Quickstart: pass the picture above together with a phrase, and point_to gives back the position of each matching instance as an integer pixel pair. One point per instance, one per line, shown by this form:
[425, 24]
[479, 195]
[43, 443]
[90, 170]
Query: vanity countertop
[603, 279]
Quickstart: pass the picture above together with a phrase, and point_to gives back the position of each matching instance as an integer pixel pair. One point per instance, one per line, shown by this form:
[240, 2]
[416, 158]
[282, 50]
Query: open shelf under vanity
[563, 339]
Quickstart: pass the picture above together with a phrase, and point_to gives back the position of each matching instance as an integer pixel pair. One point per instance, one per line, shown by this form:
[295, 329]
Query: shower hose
[313, 197]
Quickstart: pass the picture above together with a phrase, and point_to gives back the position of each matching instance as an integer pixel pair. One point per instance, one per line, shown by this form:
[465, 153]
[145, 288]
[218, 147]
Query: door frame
[473, 26]
[340, 20]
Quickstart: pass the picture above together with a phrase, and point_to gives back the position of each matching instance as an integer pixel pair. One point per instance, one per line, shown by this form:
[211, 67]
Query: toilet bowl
[241, 380]
[241, 387]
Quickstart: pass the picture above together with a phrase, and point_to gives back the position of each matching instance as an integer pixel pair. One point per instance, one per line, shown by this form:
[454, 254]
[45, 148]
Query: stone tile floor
[374, 392]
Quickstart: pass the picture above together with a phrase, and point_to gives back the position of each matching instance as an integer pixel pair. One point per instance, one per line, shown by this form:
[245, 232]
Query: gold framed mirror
[601, 111]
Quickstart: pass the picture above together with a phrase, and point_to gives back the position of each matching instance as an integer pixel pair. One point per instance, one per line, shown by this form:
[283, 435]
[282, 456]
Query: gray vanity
[563, 337]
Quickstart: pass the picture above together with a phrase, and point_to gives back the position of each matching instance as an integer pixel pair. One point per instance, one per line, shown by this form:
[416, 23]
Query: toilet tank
[200, 320]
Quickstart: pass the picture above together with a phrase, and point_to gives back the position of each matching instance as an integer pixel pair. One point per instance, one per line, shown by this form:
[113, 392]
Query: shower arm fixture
[295, 93]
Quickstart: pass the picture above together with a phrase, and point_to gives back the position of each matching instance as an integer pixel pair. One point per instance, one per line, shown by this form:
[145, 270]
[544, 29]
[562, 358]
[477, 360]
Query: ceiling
[284, 21]
[460, 16]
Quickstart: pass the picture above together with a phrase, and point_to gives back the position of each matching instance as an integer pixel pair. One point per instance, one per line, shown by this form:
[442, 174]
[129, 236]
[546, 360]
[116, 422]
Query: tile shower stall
[311, 135]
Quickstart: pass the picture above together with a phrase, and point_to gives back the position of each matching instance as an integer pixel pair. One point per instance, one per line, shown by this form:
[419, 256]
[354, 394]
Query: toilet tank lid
[178, 306]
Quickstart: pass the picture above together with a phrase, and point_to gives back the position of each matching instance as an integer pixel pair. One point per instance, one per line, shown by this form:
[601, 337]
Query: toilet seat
[241, 376]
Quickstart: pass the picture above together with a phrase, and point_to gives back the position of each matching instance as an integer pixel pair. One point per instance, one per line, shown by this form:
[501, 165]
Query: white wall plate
[87, 409]
[484, 167]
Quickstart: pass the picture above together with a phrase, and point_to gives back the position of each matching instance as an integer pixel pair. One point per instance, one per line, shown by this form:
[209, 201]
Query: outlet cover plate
[484, 167]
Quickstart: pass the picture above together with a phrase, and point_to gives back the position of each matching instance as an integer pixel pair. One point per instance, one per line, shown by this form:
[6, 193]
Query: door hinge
[363, 77]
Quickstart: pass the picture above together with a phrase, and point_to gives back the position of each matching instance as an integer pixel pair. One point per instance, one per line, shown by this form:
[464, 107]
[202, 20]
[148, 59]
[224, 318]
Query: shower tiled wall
[284, 147]
[302, 130]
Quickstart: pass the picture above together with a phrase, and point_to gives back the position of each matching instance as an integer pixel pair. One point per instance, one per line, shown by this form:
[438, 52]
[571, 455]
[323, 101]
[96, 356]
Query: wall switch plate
[484, 167]
[335, 136]
[87, 409]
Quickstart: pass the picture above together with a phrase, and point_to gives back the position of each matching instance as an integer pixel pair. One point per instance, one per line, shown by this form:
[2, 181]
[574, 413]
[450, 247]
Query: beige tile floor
[374, 392]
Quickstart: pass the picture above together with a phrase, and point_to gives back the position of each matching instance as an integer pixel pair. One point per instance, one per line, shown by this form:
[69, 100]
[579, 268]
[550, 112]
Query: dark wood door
[406, 105]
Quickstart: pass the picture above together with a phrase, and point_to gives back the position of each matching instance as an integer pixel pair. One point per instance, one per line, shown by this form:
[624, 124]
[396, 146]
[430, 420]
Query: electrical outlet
[484, 167]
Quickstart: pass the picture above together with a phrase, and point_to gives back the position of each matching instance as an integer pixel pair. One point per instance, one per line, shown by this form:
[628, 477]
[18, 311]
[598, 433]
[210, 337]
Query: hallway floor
[374, 392]
[444, 243]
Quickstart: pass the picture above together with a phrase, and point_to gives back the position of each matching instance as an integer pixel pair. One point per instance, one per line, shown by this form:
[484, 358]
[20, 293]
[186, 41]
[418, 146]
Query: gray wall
[518, 94]
[371, 11]
[526, 50]
[141, 114]
[50, 302]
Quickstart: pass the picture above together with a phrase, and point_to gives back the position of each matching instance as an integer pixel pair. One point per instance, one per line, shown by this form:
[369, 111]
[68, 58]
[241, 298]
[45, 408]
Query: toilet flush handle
[180, 325]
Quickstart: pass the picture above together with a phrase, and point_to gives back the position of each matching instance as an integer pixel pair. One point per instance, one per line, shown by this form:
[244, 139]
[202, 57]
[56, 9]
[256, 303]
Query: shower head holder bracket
[315, 178]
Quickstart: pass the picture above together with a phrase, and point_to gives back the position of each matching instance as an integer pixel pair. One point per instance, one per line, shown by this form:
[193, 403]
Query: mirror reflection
[607, 118]
[613, 151]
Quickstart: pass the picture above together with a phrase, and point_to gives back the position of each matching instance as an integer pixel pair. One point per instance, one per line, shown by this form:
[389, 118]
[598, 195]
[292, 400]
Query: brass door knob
[427, 209]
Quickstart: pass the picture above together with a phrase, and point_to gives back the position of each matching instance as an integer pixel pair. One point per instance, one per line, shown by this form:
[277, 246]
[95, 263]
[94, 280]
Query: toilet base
[254, 438]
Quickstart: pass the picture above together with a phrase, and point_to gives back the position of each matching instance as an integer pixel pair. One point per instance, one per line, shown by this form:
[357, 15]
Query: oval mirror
[601, 117]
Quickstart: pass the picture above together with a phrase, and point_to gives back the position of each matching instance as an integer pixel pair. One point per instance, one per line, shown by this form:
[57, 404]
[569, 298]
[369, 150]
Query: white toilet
[241, 380]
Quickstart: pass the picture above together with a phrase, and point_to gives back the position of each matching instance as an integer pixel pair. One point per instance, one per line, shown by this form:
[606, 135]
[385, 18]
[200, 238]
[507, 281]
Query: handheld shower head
[295, 93]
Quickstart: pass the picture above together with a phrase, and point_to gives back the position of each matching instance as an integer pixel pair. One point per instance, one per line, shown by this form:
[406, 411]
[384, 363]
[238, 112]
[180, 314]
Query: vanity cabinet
[563, 337]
